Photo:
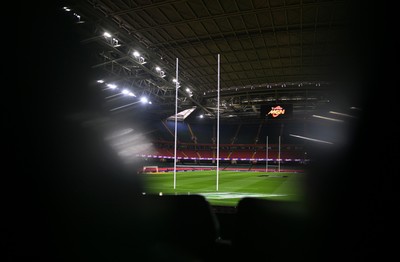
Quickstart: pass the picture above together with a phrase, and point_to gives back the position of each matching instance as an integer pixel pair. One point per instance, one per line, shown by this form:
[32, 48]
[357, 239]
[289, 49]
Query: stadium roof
[271, 51]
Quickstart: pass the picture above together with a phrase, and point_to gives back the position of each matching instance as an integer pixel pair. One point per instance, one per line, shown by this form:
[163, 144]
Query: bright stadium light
[115, 42]
[328, 118]
[106, 34]
[312, 139]
[125, 91]
[136, 54]
[142, 100]
[158, 69]
[78, 17]
[100, 81]
[112, 86]
[141, 60]
[340, 114]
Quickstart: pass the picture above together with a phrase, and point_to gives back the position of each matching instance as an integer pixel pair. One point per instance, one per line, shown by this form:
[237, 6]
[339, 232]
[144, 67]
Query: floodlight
[112, 86]
[328, 118]
[106, 34]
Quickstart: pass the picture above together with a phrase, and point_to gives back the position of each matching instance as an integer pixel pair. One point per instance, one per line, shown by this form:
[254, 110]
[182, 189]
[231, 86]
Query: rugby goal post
[150, 169]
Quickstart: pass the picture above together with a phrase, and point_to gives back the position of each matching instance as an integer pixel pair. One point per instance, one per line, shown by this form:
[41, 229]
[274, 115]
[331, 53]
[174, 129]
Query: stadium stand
[241, 154]
[229, 132]
[190, 153]
[206, 153]
[164, 152]
[184, 133]
[270, 129]
[203, 132]
[247, 134]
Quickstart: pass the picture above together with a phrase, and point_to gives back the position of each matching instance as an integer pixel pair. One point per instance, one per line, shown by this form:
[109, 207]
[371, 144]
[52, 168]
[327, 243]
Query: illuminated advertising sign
[276, 111]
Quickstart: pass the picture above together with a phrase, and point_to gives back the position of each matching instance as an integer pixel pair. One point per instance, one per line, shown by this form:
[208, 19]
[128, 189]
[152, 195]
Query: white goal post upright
[218, 84]
[176, 121]
[279, 155]
[266, 155]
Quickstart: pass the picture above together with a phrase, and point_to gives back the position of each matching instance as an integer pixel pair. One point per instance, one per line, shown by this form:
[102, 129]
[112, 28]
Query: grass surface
[232, 185]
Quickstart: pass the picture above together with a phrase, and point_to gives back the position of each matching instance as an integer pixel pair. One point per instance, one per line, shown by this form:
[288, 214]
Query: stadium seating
[190, 153]
[247, 134]
[164, 152]
[227, 133]
[242, 154]
[206, 153]
[203, 133]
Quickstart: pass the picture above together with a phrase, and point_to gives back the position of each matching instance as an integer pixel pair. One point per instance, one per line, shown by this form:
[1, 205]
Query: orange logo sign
[276, 111]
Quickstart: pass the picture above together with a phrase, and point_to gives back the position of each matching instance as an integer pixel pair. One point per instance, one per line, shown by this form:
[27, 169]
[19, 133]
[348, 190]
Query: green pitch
[232, 185]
